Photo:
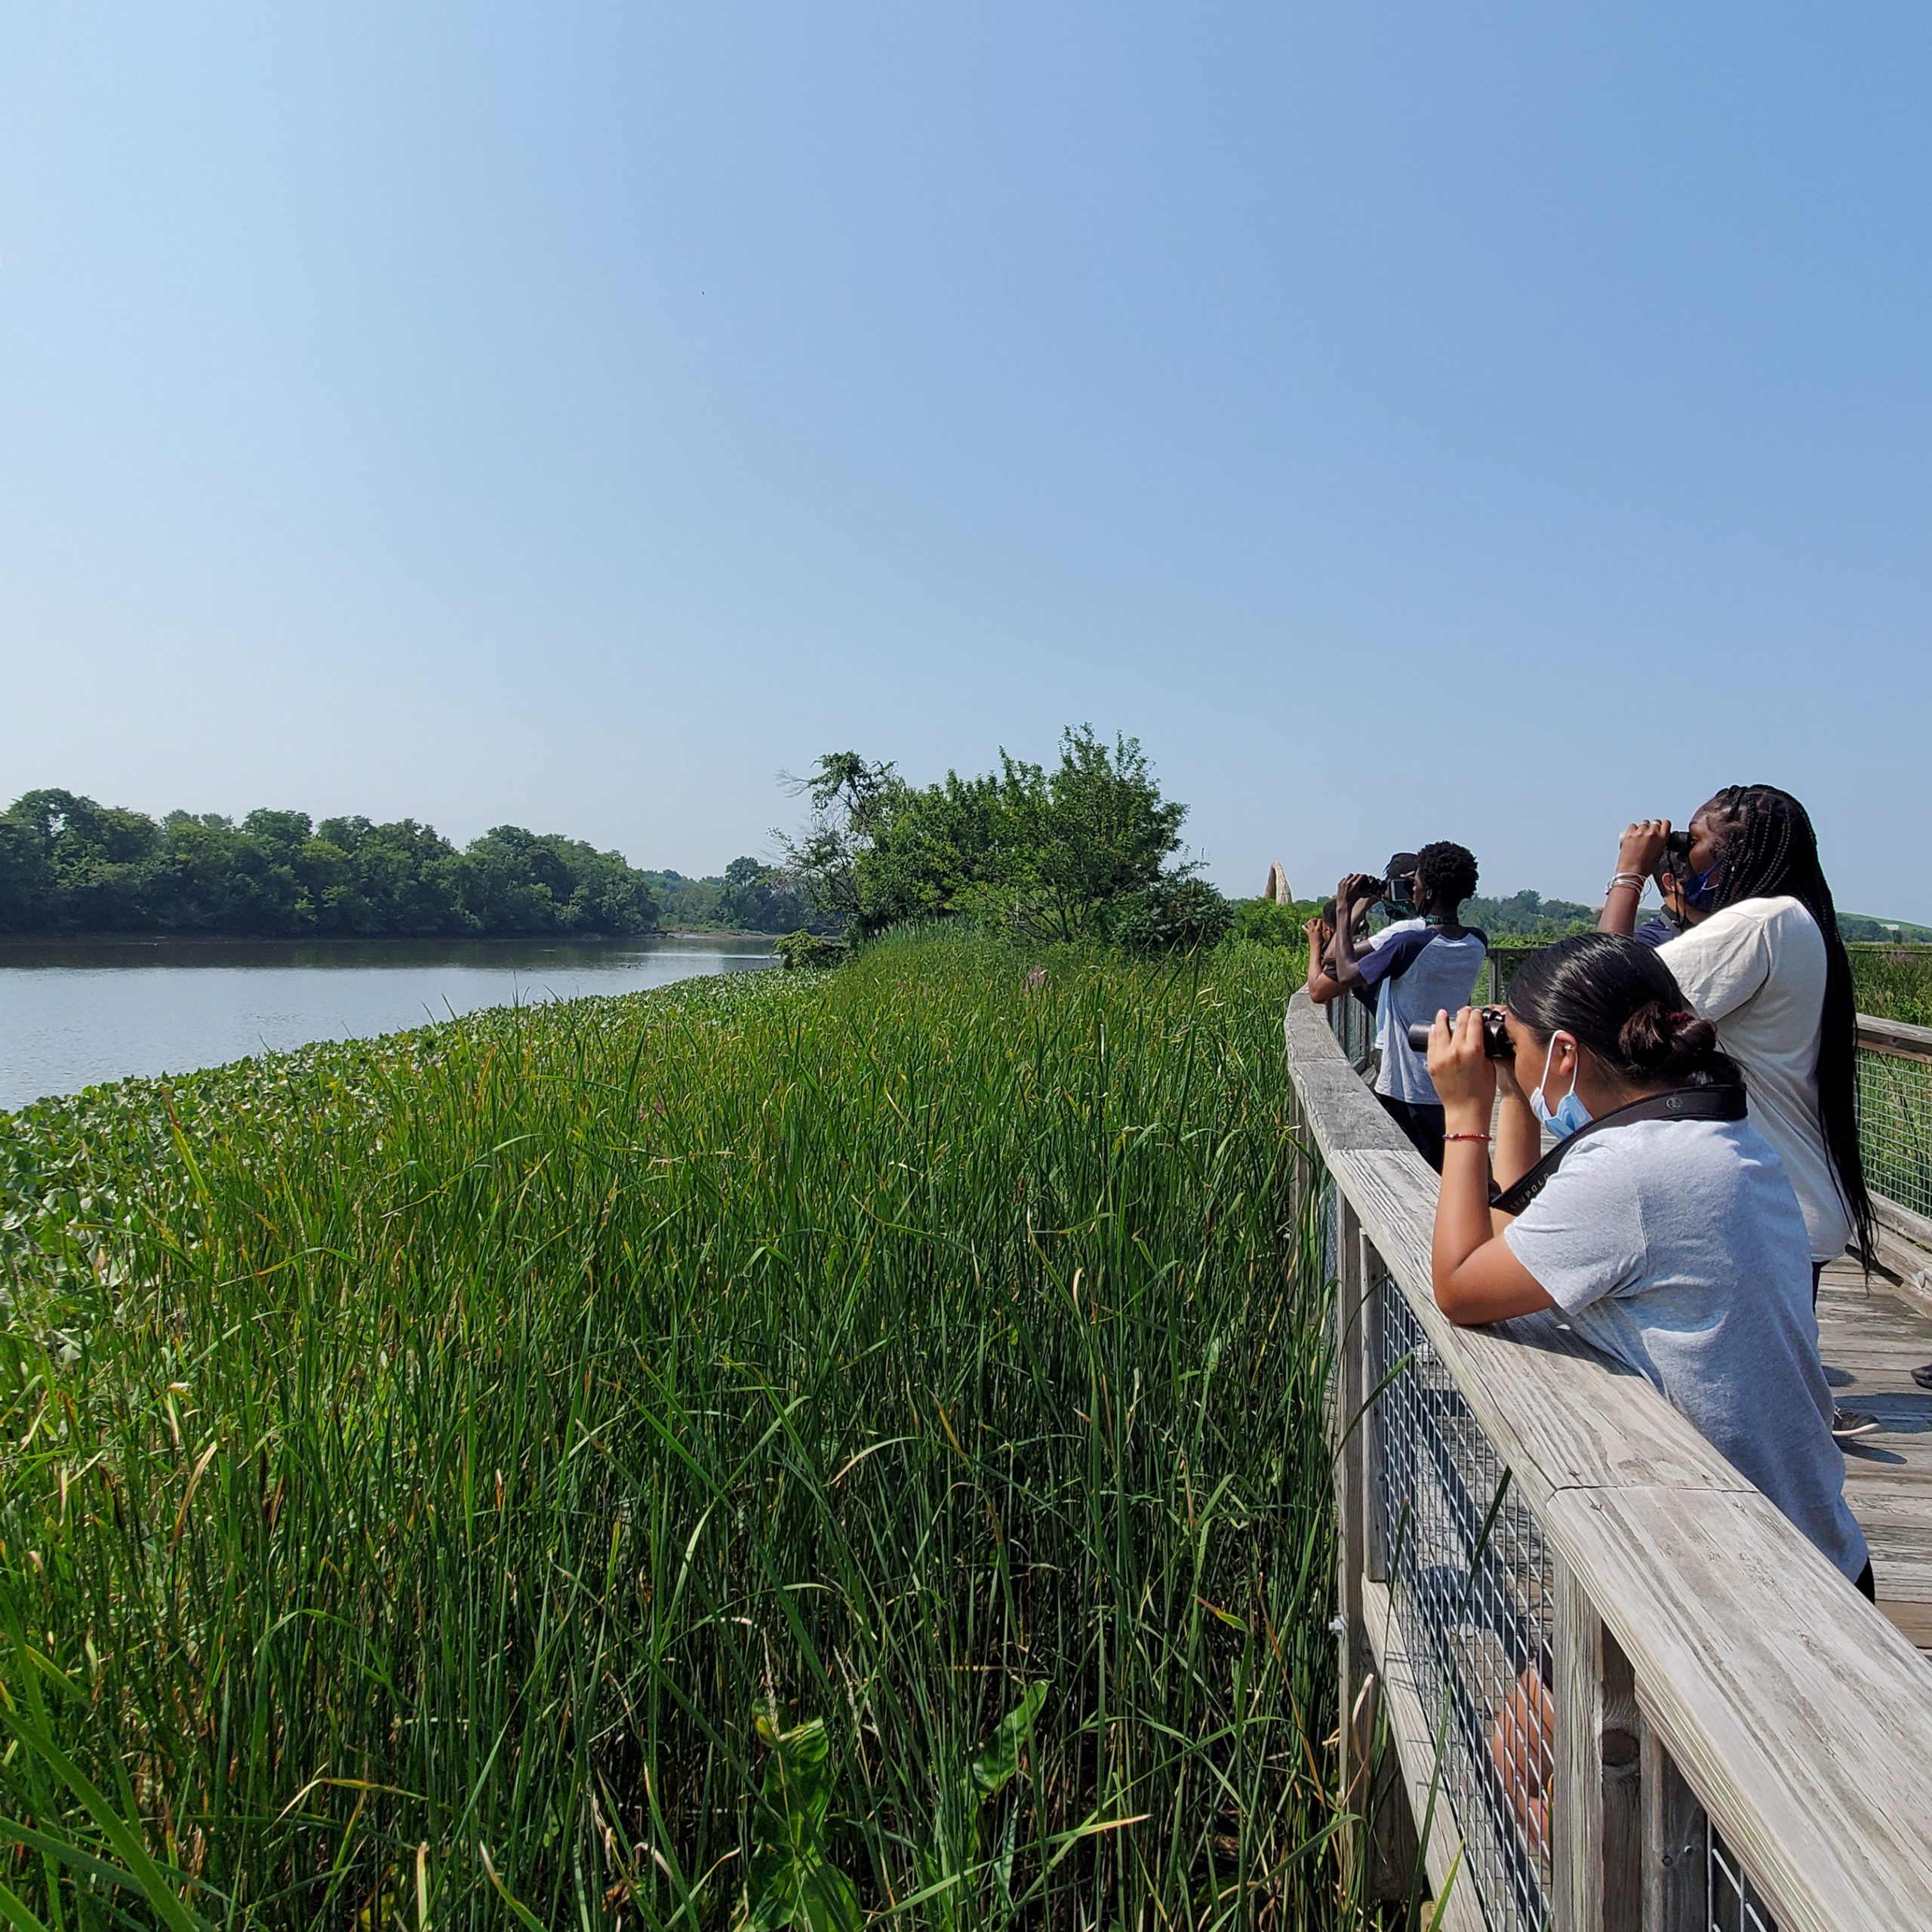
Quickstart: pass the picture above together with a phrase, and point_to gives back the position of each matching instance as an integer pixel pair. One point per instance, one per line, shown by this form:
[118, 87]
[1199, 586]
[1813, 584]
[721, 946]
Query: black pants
[1422, 1121]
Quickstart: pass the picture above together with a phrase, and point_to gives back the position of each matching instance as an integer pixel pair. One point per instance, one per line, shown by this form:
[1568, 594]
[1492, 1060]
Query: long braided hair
[1769, 849]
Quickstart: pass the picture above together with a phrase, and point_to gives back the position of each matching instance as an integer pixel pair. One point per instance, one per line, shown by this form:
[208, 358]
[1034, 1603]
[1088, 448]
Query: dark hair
[1445, 871]
[1617, 997]
[1768, 849]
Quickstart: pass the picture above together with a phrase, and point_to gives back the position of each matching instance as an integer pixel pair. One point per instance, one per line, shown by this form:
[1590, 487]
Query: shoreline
[21, 942]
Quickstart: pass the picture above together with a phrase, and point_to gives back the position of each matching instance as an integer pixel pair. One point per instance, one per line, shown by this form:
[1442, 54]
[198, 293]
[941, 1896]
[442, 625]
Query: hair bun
[1659, 1040]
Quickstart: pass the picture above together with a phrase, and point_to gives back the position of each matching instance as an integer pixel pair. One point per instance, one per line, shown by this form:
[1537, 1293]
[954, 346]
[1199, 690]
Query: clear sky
[1487, 421]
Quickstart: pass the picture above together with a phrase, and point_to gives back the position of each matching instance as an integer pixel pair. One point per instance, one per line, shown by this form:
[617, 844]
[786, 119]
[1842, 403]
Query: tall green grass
[1894, 982]
[450, 1479]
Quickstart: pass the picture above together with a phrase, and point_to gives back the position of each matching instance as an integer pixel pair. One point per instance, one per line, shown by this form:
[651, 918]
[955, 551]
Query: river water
[74, 1012]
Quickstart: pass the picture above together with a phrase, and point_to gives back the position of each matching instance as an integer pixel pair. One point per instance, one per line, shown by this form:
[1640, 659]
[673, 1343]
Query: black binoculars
[1496, 1044]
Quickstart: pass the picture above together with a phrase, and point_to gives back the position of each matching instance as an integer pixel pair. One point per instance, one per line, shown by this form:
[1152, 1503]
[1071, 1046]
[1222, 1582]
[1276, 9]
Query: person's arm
[1347, 957]
[1640, 847]
[1322, 987]
[1476, 1277]
[1518, 1133]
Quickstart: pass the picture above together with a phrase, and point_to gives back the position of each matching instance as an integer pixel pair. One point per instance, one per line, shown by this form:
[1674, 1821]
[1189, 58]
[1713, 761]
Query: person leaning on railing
[1763, 962]
[1412, 967]
[1674, 1245]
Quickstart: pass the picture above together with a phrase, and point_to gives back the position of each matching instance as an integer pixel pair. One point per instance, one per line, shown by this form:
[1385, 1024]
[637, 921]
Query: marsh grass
[439, 1469]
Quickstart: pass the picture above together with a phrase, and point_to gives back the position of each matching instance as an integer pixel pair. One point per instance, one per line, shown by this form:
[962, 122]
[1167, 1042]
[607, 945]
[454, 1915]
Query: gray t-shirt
[1678, 1248]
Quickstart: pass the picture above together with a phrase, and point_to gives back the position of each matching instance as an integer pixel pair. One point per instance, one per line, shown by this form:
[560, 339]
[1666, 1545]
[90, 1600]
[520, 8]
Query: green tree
[67, 864]
[1046, 853]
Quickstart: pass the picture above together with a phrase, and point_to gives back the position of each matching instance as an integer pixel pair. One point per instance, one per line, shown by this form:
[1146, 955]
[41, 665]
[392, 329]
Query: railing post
[1595, 1810]
[1674, 1865]
[1356, 1665]
[1388, 1848]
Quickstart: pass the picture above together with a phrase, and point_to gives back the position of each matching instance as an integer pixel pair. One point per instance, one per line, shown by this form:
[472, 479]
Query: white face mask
[1570, 1113]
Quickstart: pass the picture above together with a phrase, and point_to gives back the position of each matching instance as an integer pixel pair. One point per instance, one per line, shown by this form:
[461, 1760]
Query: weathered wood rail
[1895, 1132]
[1732, 1736]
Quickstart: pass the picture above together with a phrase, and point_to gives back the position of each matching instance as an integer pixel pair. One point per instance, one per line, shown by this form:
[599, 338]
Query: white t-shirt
[1677, 1248]
[1756, 970]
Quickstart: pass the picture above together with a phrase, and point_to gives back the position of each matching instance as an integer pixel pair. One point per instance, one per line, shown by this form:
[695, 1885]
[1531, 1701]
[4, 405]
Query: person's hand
[1319, 932]
[1642, 846]
[1504, 1070]
[1465, 1076]
[1357, 889]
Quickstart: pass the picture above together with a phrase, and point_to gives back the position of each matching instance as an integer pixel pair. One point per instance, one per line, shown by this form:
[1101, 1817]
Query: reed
[780, 1447]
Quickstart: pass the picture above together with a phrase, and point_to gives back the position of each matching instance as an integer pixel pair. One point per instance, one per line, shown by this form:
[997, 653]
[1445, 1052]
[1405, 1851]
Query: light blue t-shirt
[1679, 1249]
[1416, 973]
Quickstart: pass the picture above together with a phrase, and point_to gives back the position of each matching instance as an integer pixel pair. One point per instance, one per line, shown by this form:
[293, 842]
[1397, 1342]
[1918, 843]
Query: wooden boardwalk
[1872, 1339]
[1712, 1729]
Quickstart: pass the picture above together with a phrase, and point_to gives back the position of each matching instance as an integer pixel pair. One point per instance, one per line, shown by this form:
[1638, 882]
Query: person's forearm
[1518, 1138]
[1619, 907]
[1461, 1205]
[1344, 972]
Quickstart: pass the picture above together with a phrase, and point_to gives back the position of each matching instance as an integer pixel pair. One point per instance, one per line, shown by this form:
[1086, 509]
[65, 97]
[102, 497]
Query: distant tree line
[750, 896]
[1529, 915]
[68, 864]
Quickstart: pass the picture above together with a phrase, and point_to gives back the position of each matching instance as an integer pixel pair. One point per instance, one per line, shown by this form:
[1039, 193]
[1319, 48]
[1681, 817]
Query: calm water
[73, 1012]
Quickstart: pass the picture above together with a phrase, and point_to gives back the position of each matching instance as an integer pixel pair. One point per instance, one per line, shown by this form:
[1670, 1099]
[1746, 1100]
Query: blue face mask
[1700, 890]
[1570, 1113]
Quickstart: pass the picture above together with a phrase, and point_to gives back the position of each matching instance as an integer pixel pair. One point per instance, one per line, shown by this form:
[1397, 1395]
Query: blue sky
[1487, 422]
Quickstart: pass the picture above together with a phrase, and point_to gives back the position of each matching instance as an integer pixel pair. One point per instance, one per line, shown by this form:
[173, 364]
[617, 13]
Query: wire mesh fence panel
[1470, 1575]
[1731, 1901]
[1353, 1024]
[1895, 1127]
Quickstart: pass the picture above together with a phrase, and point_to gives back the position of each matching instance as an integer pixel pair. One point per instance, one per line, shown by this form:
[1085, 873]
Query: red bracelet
[1465, 1136]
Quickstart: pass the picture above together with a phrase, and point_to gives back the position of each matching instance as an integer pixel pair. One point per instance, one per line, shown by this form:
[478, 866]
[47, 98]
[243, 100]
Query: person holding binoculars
[1663, 1225]
[1763, 962]
[1411, 968]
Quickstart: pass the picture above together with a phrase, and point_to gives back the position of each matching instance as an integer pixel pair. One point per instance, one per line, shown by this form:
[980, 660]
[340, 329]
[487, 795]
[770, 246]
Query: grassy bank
[435, 1457]
[1894, 982]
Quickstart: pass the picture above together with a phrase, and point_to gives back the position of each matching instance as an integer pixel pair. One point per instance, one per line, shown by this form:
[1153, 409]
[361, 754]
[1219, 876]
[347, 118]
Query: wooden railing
[1731, 1735]
[1895, 1139]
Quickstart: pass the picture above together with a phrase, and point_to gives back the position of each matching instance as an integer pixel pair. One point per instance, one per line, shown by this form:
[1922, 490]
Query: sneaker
[1923, 1376]
[1849, 1424]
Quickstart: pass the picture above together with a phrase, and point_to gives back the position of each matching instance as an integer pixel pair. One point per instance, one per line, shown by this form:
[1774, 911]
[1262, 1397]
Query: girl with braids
[1667, 1233]
[1766, 966]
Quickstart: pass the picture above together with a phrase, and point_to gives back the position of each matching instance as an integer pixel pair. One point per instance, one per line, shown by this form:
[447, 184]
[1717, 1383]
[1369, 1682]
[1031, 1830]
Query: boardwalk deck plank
[1871, 1339]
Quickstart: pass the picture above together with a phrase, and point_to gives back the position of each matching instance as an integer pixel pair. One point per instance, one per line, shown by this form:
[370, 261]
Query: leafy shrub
[802, 949]
[1267, 922]
[1181, 915]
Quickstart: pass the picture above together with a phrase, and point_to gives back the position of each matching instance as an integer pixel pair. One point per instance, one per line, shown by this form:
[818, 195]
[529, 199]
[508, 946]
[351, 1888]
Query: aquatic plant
[451, 1476]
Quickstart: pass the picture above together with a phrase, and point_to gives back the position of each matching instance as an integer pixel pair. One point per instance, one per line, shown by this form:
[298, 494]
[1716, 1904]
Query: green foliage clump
[1177, 915]
[1056, 856]
[802, 949]
[748, 896]
[1270, 922]
[428, 1458]
[70, 865]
